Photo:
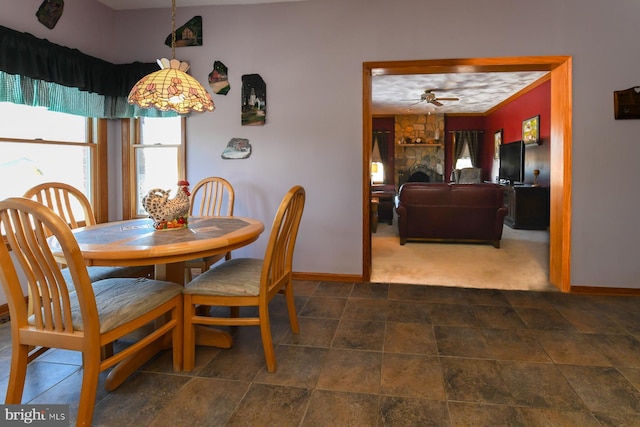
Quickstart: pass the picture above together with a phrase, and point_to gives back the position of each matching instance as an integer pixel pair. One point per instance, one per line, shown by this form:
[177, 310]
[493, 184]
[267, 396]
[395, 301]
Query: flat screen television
[511, 162]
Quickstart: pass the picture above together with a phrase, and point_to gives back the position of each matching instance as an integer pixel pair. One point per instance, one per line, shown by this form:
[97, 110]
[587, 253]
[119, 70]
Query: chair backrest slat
[65, 200]
[284, 232]
[28, 224]
[210, 195]
[21, 233]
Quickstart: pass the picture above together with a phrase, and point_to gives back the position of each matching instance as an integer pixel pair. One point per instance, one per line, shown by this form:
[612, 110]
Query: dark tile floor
[378, 354]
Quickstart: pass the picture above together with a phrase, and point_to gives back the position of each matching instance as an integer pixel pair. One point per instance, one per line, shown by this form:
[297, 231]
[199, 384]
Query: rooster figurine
[168, 214]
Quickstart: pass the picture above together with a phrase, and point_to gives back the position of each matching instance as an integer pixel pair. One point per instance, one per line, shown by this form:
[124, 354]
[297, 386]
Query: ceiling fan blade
[415, 103]
[448, 99]
[453, 88]
[435, 102]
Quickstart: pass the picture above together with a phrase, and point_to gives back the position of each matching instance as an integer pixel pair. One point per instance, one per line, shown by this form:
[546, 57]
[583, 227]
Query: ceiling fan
[430, 98]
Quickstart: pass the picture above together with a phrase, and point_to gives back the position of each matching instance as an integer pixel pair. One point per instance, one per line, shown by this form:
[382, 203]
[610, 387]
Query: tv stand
[528, 207]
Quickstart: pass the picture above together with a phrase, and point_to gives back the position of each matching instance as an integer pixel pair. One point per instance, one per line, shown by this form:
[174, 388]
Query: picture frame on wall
[531, 130]
[497, 140]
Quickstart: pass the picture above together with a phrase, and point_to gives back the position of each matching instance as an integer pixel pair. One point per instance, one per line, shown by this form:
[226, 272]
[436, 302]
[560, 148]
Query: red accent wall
[509, 118]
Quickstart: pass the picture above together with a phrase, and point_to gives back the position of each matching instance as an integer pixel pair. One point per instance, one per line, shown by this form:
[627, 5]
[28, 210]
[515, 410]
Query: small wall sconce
[536, 172]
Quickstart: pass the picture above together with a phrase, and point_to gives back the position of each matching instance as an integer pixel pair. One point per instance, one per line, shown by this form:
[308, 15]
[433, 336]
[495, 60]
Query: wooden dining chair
[212, 196]
[85, 318]
[74, 207]
[242, 282]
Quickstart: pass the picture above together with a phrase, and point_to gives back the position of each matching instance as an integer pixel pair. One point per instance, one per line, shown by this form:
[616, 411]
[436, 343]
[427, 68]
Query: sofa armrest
[501, 213]
[401, 212]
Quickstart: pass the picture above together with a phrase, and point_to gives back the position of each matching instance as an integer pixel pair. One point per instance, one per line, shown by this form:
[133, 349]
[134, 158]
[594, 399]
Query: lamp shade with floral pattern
[171, 89]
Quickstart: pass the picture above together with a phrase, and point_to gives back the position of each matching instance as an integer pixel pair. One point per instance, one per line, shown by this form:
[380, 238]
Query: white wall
[84, 25]
[310, 55]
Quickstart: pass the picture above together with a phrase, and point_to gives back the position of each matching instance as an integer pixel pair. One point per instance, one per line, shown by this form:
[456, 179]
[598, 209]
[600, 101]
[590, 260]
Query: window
[39, 145]
[155, 158]
[465, 158]
[377, 172]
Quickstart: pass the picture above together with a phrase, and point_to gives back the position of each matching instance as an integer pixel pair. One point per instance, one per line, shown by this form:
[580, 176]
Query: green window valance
[37, 72]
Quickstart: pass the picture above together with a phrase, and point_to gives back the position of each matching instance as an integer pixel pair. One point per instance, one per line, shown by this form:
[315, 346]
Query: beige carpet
[521, 263]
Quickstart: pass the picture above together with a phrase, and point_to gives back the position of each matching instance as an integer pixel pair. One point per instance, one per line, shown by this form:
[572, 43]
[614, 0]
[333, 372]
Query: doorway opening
[560, 148]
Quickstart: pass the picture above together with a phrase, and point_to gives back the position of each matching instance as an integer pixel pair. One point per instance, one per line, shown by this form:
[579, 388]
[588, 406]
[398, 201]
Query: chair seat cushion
[120, 300]
[100, 273]
[236, 277]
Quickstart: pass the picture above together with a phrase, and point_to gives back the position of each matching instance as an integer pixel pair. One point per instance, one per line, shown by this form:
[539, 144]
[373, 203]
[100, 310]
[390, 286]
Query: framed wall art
[497, 140]
[531, 130]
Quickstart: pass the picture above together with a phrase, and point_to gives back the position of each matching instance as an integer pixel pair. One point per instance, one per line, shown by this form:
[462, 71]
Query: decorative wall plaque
[219, 79]
[190, 34]
[49, 12]
[626, 103]
[254, 100]
[237, 148]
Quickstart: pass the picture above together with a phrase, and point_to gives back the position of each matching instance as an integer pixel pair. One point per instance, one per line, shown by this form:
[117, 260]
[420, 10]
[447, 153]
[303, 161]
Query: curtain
[24, 90]
[471, 139]
[473, 142]
[375, 152]
[382, 138]
[40, 73]
[458, 147]
[383, 144]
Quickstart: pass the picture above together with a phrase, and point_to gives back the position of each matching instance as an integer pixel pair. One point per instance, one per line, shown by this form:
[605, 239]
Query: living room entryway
[555, 264]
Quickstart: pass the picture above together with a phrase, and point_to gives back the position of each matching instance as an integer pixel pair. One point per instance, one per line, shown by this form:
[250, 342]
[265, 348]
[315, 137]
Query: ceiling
[155, 4]
[400, 94]
[477, 92]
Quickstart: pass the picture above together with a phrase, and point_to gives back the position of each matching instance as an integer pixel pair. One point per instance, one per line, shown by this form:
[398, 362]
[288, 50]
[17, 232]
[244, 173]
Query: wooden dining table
[136, 243]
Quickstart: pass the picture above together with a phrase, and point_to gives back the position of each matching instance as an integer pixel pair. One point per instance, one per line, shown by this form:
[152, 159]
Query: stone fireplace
[419, 152]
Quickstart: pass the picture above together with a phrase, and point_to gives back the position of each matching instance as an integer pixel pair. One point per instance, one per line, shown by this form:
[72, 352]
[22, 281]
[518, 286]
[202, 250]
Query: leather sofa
[451, 212]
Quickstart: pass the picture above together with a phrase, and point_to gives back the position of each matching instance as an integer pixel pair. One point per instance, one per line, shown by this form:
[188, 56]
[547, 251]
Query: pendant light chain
[171, 88]
[173, 29]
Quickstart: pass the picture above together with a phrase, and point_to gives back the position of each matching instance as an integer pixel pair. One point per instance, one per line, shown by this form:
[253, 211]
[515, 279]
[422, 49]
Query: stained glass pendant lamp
[171, 88]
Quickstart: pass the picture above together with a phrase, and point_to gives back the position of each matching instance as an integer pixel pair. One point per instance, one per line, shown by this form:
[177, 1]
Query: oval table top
[136, 242]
